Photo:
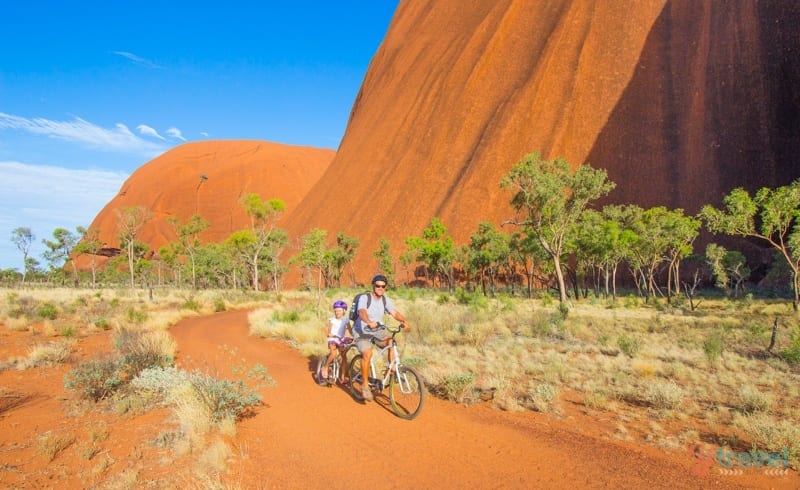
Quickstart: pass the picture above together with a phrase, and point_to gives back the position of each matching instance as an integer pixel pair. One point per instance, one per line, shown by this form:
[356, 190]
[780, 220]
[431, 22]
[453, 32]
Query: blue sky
[90, 91]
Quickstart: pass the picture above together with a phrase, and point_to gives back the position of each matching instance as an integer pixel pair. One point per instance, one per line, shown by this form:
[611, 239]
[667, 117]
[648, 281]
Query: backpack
[354, 305]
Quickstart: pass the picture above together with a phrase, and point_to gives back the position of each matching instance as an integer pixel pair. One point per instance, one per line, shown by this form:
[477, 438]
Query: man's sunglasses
[379, 286]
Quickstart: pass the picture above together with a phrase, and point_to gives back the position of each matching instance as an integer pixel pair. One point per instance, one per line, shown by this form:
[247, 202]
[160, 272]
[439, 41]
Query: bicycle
[405, 385]
[335, 368]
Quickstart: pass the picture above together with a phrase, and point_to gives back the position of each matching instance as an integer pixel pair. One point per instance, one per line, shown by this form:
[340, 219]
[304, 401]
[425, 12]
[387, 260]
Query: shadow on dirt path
[307, 436]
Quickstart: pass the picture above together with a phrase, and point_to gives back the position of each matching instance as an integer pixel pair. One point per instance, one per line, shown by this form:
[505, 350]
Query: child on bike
[337, 328]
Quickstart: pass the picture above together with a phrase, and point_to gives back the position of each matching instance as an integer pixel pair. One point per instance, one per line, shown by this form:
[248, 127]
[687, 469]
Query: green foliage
[443, 299]
[713, 346]
[135, 316]
[219, 305]
[456, 387]
[224, 398]
[102, 323]
[67, 332]
[94, 380]
[630, 345]
[792, 353]
[286, 316]
[474, 298]
[551, 198]
[191, 304]
[47, 311]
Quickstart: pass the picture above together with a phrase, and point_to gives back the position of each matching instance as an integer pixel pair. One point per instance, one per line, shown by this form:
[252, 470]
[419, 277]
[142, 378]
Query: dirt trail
[306, 436]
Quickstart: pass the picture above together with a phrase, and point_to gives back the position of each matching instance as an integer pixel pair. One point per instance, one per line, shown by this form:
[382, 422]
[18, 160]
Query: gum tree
[771, 215]
[551, 198]
[23, 238]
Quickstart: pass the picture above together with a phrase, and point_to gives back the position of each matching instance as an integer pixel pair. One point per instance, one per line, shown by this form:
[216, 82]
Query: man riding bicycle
[369, 328]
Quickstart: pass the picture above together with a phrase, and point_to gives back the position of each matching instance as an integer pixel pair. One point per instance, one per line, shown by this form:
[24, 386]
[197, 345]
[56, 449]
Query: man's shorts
[364, 341]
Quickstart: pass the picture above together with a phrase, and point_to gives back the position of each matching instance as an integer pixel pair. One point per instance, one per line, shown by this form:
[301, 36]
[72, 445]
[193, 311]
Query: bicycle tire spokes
[406, 393]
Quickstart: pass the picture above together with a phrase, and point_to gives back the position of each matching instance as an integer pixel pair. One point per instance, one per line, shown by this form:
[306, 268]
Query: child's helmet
[340, 304]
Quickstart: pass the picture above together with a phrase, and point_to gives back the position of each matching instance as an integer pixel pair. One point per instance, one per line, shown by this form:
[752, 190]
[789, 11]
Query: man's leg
[366, 392]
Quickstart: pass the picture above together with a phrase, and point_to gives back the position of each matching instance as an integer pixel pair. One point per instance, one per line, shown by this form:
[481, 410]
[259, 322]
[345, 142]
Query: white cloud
[119, 139]
[137, 59]
[204, 134]
[175, 133]
[44, 198]
[148, 131]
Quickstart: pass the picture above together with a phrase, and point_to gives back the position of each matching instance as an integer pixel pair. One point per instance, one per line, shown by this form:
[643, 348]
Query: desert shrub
[159, 379]
[751, 400]
[765, 433]
[47, 311]
[102, 324]
[224, 398]
[219, 305]
[67, 331]
[712, 347]
[542, 397]
[286, 316]
[47, 354]
[50, 444]
[143, 349]
[135, 316]
[792, 353]
[191, 304]
[663, 394]
[94, 380]
[443, 299]
[457, 387]
[629, 344]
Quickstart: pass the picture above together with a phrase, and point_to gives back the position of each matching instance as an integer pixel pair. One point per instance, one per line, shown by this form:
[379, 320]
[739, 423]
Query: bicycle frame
[392, 368]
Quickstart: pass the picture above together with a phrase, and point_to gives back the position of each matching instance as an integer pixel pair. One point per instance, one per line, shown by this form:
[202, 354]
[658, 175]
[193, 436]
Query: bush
[457, 387]
[663, 394]
[94, 380]
[629, 344]
[751, 400]
[47, 311]
[219, 305]
[712, 347]
[224, 398]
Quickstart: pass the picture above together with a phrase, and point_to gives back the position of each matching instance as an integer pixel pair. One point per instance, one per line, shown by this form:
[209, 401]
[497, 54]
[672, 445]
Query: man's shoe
[367, 394]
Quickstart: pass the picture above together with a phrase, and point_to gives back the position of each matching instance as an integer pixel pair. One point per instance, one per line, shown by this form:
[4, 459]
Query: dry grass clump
[751, 400]
[50, 444]
[663, 394]
[770, 434]
[47, 354]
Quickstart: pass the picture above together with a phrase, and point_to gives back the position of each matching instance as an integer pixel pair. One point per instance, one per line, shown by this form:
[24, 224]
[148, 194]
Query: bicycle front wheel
[407, 393]
[356, 380]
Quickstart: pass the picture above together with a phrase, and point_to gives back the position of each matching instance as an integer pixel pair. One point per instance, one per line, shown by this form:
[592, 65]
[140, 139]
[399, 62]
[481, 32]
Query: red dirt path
[307, 436]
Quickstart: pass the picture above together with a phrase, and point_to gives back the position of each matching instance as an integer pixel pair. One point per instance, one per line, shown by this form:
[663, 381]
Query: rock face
[680, 101]
[209, 178]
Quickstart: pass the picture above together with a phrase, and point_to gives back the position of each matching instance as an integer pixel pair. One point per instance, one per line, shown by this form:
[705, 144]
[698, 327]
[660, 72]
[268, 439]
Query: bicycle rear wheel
[356, 380]
[406, 393]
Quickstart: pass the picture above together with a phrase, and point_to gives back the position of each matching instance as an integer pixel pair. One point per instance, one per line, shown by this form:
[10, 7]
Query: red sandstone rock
[679, 100]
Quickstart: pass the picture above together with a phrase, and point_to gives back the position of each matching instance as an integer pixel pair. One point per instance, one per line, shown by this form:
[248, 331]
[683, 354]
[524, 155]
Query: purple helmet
[340, 304]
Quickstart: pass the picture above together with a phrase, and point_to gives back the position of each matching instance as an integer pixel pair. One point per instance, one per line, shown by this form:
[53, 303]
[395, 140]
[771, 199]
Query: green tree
[551, 198]
[435, 250]
[486, 253]
[777, 211]
[129, 223]
[314, 258]
[729, 268]
[189, 240]
[263, 217]
[342, 256]
[385, 259]
[59, 250]
[23, 238]
[90, 244]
